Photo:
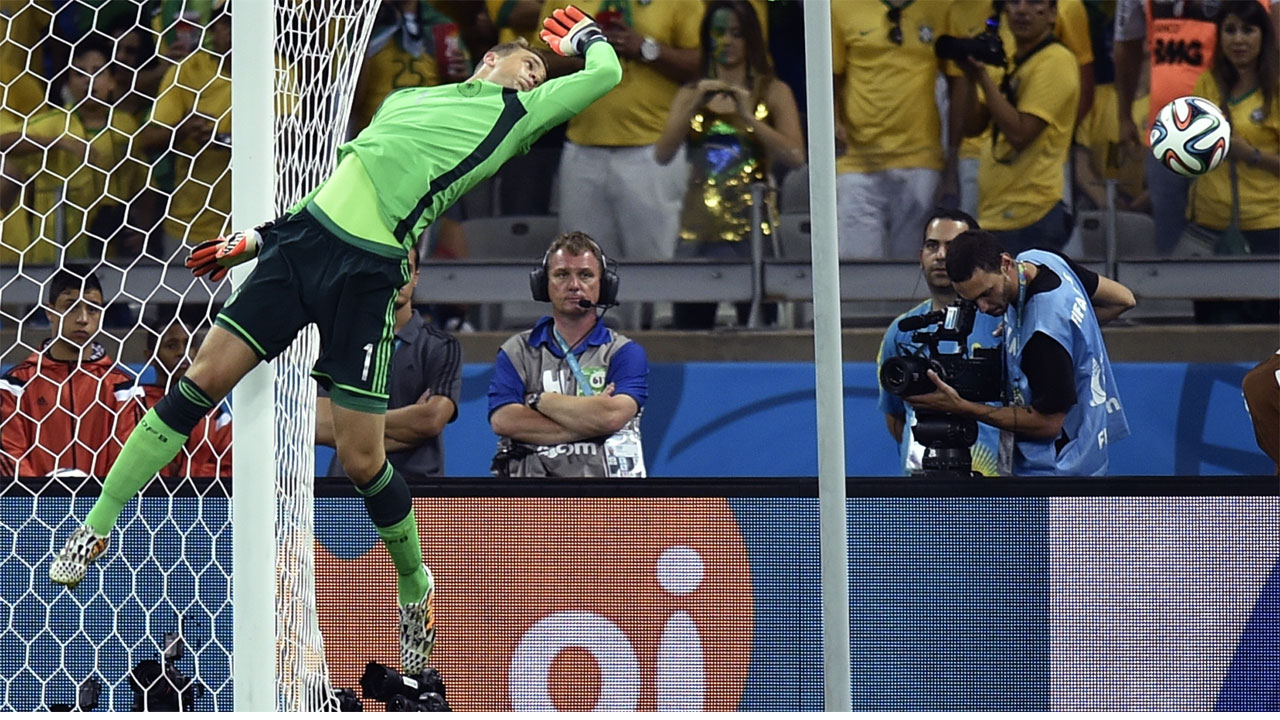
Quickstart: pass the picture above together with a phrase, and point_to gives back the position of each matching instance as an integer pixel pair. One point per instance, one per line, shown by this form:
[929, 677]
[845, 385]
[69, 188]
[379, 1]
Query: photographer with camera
[900, 342]
[980, 34]
[1064, 406]
[1031, 111]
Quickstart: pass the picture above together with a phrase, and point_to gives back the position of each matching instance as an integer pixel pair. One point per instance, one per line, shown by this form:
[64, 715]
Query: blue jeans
[1048, 233]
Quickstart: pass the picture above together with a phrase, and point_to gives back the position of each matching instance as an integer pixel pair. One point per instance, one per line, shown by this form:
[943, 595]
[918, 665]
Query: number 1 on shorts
[368, 354]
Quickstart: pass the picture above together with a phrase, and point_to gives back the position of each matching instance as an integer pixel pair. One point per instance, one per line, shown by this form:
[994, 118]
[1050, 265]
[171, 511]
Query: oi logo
[564, 604]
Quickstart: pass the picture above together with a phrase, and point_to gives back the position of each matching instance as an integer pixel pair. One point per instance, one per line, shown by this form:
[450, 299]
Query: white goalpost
[286, 130]
[255, 461]
[832, 504]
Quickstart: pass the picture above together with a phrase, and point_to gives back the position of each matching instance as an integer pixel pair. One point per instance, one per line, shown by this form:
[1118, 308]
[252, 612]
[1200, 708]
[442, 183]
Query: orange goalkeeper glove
[220, 255]
[569, 31]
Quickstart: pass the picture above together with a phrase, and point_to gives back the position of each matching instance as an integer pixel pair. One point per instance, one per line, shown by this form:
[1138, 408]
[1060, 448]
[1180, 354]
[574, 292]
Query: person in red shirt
[67, 407]
[207, 452]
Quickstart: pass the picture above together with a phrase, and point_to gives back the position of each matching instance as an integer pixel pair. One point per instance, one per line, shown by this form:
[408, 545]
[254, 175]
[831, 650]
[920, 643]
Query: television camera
[977, 375]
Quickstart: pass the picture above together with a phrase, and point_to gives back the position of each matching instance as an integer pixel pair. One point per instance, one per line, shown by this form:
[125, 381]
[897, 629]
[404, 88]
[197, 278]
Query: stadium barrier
[758, 419]
[1150, 594]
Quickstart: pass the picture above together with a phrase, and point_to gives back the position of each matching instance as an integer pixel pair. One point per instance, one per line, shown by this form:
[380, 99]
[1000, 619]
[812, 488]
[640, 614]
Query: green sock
[150, 447]
[402, 542]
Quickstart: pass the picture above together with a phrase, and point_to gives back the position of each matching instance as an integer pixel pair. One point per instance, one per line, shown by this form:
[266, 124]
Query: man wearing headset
[567, 395]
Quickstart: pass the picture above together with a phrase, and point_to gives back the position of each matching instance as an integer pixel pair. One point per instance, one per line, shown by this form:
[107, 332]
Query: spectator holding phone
[735, 122]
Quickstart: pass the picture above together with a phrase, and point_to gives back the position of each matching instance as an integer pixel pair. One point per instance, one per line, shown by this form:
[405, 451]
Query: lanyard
[574, 367]
[1012, 329]
[1013, 315]
[1022, 286]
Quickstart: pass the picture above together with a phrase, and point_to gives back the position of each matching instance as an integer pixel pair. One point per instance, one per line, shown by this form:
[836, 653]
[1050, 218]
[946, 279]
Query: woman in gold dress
[737, 121]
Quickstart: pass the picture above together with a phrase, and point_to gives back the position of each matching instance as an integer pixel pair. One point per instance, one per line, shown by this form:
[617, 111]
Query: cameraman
[943, 226]
[1065, 409]
[1031, 112]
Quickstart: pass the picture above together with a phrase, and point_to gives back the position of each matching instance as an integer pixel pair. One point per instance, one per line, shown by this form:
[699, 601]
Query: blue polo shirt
[628, 368]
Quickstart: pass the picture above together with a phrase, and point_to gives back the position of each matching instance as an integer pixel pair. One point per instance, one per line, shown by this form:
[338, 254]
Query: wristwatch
[649, 49]
[533, 401]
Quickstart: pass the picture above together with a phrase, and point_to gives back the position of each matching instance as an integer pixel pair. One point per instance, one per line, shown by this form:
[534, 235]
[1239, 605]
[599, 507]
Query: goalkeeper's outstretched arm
[557, 100]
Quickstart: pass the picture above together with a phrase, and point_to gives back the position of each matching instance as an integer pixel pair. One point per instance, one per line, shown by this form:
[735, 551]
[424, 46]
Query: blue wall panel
[759, 420]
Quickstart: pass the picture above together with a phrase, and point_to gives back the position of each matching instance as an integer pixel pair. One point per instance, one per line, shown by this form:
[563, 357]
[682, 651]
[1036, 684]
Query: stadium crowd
[115, 135]
[115, 123]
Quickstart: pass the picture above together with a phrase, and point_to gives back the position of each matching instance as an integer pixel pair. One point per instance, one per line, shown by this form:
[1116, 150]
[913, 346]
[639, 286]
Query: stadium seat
[793, 235]
[1135, 234]
[793, 196]
[518, 237]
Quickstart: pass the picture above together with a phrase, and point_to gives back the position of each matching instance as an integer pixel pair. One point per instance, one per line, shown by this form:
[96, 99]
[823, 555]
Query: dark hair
[1252, 13]
[953, 214]
[194, 317]
[155, 333]
[418, 251]
[575, 243]
[130, 23]
[997, 6]
[219, 11]
[759, 67]
[95, 42]
[126, 17]
[970, 251]
[72, 277]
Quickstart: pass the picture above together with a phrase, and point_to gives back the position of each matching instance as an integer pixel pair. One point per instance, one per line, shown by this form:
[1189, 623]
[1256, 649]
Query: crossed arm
[406, 427]
[564, 418]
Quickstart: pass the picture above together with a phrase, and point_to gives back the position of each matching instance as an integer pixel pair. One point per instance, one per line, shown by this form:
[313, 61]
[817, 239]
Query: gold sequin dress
[725, 159]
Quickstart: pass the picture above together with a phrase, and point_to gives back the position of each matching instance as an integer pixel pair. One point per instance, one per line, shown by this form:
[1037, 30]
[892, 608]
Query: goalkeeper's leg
[359, 439]
[223, 359]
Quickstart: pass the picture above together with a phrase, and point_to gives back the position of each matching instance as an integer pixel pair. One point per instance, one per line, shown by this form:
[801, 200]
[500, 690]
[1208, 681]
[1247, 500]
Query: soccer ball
[1190, 136]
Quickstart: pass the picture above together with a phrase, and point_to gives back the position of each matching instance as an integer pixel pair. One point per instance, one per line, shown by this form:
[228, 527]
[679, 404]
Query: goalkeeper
[338, 259]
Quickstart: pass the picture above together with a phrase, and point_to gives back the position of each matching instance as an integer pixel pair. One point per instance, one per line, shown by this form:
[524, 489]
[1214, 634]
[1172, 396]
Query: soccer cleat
[417, 634]
[82, 548]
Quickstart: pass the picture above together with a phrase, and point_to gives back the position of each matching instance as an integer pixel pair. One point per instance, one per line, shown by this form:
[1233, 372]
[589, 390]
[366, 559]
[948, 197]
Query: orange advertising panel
[564, 603]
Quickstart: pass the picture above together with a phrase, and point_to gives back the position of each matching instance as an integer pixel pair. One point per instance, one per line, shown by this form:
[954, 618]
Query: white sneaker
[417, 634]
[82, 548]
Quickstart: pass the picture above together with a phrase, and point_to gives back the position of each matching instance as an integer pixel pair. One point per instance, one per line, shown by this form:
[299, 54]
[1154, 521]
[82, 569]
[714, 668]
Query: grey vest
[542, 371]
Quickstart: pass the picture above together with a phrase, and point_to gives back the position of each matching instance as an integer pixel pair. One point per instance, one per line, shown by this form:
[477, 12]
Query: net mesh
[319, 45]
[115, 148]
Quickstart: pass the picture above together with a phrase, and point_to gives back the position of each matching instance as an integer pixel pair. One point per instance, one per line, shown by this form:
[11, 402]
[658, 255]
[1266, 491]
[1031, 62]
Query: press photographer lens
[984, 47]
[428, 702]
[163, 688]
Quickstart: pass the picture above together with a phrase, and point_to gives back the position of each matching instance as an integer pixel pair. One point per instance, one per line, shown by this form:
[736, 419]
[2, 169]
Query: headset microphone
[587, 304]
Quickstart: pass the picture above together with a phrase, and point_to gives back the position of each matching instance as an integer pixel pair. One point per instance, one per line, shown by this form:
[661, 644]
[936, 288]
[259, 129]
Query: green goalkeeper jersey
[427, 146]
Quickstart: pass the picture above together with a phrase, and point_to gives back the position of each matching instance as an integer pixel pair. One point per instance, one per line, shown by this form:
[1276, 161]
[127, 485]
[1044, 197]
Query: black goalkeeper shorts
[305, 274]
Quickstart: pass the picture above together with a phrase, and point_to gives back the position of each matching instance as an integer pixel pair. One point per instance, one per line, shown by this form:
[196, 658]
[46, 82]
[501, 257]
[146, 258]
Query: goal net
[115, 158]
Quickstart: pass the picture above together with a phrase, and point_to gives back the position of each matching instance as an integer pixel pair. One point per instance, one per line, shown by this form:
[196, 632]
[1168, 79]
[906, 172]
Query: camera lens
[893, 375]
[907, 375]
